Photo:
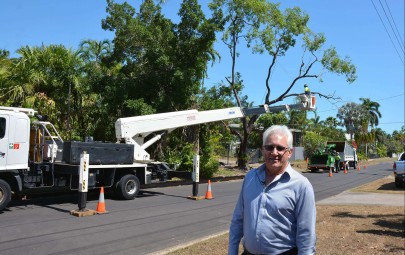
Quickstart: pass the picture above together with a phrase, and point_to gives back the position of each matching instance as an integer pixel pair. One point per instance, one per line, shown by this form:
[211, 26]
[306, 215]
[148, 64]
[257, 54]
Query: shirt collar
[261, 172]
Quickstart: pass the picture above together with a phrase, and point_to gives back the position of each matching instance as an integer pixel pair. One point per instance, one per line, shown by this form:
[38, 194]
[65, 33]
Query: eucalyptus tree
[262, 26]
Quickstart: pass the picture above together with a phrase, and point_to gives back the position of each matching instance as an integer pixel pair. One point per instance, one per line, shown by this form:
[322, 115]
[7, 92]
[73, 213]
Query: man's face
[276, 153]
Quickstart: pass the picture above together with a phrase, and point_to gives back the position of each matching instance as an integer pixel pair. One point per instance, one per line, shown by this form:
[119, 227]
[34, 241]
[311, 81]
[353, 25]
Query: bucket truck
[34, 156]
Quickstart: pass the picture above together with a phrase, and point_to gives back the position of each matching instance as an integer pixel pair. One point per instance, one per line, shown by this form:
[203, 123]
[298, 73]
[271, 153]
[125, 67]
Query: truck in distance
[399, 170]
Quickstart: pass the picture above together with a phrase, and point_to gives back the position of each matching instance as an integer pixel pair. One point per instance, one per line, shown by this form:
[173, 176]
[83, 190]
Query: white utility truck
[33, 155]
[348, 155]
[399, 170]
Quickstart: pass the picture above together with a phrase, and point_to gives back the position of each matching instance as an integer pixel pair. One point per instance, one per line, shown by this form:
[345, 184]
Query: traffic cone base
[101, 203]
[208, 194]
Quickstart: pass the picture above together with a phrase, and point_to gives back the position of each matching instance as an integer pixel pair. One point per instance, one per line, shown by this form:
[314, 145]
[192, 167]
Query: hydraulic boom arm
[133, 130]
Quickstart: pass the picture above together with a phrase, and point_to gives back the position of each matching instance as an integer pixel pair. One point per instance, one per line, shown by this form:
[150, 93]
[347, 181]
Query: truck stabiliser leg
[82, 201]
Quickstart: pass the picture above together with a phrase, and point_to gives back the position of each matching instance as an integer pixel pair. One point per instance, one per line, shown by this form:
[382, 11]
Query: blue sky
[353, 27]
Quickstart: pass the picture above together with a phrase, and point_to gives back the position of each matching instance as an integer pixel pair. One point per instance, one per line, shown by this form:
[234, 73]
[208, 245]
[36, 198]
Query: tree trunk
[242, 154]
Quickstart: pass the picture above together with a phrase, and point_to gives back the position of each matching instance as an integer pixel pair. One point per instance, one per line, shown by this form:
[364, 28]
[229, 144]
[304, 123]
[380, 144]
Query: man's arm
[306, 220]
[236, 228]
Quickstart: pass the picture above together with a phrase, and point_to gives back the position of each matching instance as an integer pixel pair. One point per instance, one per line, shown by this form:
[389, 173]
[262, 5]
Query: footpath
[364, 198]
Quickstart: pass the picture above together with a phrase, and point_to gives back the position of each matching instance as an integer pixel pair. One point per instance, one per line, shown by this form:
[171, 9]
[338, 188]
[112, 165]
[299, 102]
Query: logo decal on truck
[14, 146]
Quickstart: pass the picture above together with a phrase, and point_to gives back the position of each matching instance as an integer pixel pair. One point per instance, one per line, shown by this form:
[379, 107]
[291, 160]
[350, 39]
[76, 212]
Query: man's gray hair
[280, 130]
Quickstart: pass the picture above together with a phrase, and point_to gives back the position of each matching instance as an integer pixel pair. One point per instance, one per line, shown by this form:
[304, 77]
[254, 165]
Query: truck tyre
[128, 187]
[5, 194]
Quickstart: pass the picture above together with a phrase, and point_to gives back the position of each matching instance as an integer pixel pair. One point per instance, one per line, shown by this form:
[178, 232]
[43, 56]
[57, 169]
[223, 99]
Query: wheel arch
[13, 179]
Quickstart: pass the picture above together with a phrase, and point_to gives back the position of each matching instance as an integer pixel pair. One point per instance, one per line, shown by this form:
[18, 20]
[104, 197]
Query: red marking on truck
[191, 118]
[16, 146]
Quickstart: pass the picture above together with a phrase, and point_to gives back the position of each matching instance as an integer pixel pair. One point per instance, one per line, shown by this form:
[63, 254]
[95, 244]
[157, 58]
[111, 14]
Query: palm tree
[94, 51]
[373, 114]
[372, 108]
[331, 122]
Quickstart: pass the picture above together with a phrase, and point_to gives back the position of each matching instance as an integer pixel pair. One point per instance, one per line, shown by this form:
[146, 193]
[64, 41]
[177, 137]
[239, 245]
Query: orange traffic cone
[101, 202]
[330, 173]
[208, 194]
[365, 166]
[358, 168]
[345, 171]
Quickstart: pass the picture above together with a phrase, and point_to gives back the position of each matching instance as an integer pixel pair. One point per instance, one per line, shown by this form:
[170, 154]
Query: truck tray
[99, 153]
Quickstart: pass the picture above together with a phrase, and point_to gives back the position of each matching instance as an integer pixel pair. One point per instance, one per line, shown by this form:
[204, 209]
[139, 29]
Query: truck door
[4, 119]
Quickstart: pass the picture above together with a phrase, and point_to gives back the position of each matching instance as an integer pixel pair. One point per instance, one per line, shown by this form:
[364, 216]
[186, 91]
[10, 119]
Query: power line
[396, 27]
[387, 32]
[389, 97]
[400, 45]
[378, 100]
[387, 123]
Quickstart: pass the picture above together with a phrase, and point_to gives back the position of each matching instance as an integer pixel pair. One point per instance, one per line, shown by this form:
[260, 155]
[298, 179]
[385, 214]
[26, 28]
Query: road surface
[158, 219]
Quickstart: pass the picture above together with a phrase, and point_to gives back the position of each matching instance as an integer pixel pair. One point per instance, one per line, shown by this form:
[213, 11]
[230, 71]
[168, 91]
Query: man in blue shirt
[275, 212]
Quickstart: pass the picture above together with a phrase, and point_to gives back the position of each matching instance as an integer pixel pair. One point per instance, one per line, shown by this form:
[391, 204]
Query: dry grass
[349, 229]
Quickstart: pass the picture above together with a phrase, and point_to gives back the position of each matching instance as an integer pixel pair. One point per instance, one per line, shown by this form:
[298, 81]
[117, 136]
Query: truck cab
[14, 140]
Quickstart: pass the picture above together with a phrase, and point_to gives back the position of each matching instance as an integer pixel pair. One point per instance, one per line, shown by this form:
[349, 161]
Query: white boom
[133, 130]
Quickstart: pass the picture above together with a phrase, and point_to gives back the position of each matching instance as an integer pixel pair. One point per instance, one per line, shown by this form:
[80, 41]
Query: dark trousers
[337, 166]
[293, 251]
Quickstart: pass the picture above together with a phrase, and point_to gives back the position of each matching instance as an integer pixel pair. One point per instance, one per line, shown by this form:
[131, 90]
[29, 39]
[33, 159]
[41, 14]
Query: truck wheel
[5, 194]
[128, 187]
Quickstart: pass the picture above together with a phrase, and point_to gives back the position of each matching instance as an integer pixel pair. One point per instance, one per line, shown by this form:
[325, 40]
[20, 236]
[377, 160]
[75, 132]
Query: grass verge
[352, 229]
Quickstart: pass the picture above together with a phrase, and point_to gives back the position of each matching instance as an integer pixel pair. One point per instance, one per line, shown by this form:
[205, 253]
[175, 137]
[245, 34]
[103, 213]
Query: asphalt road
[158, 219]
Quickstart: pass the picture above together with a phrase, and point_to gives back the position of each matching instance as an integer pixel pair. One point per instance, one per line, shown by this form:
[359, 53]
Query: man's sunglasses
[279, 148]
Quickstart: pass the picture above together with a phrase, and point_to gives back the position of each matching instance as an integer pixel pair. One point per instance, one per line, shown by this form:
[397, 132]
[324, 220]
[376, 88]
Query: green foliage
[208, 167]
[332, 62]
[313, 144]
[351, 116]
[372, 108]
[361, 156]
[210, 145]
[139, 107]
[155, 52]
[269, 119]
[382, 150]
[182, 157]
[332, 134]
[265, 121]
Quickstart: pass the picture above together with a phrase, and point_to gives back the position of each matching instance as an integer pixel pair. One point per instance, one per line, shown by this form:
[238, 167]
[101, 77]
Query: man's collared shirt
[275, 218]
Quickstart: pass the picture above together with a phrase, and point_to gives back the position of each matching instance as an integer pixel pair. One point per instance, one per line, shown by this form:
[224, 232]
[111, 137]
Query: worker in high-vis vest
[307, 90]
